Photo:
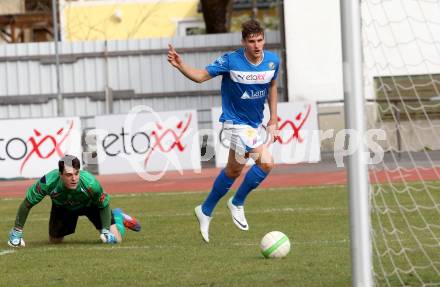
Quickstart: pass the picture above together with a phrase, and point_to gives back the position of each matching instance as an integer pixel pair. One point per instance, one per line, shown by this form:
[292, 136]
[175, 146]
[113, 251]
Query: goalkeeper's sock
[221, 186]
[119, 220]
[252, 179]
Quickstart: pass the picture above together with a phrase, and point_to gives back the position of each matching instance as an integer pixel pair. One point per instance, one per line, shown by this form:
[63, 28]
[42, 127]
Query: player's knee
[55, 240]
[266, 166]
[232, 173]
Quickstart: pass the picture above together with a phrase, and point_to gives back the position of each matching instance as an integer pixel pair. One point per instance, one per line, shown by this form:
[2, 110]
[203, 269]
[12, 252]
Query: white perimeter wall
[313, 45]
[400, 37]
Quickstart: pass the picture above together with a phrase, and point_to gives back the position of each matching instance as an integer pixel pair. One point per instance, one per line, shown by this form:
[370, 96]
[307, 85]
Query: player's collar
[261, 61]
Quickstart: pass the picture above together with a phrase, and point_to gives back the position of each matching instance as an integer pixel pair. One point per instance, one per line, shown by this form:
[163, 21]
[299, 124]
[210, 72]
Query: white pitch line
[101, 247]
[4, 252]
[321, 242]
[189, 214]
[155, 247]
[311, 242]
[258, 211]
[270, 189]
[299, 209]
[157, 193]
[30, 218]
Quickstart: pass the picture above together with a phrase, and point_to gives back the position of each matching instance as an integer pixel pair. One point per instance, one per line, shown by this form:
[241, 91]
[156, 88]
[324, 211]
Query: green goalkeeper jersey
[88, 192]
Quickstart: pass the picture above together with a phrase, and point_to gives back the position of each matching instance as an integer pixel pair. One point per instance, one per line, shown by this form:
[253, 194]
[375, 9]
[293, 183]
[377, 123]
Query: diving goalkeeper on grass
[74, 193]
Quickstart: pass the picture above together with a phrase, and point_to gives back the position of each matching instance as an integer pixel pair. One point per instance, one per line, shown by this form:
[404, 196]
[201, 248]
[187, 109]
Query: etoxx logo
[24, 147]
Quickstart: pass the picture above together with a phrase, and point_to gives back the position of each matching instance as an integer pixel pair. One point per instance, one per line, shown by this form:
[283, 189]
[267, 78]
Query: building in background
[25, 21]
[121, 20]
[11, 6]
[84, 20]
[267, 12]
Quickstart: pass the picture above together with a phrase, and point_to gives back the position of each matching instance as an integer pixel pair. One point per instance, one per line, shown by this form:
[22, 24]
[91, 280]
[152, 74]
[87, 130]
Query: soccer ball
[275, 244]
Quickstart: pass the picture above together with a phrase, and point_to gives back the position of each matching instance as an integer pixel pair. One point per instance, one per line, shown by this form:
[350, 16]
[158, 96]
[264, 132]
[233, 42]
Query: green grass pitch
[169, 250]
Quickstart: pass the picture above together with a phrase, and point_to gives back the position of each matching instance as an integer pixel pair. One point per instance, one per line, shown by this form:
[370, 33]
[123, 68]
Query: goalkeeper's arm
[106, 216]
[106, 235]
[35, 193]
[22, 214]
[16, 233]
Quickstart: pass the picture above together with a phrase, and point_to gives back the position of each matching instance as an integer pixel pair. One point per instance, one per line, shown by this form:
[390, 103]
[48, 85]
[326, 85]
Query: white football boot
[238, 217]
[204, 221]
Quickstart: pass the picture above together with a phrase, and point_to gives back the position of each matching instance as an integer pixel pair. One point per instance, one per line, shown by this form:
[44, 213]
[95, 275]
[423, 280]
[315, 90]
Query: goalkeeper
[74, 193]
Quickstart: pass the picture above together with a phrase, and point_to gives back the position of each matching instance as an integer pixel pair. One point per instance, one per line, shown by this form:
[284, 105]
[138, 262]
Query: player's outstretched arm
[196, 75]
[16, 234]
[35, 193]
[107, 235]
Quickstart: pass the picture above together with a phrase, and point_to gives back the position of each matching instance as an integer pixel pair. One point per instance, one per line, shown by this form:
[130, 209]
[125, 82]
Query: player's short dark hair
[68, 160]
[250, 28]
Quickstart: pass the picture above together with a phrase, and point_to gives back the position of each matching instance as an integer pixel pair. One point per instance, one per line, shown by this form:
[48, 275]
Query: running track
[281, 176]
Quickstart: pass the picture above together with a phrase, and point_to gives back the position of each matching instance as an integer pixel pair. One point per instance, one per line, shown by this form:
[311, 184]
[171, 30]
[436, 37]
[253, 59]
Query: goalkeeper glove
[16, 238]
[107, 237]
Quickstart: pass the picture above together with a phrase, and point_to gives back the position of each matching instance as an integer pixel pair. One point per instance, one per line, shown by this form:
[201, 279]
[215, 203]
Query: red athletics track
[281, 176]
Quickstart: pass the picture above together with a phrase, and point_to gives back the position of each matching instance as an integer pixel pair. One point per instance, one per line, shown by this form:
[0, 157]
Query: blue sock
[221, 186]
[252, 179]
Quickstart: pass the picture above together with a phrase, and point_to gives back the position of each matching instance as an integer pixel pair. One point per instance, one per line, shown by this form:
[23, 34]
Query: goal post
[357, 172]
[391, 57]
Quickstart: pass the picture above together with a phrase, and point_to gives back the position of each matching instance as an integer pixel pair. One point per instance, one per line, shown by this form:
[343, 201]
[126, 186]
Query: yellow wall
[97, 21]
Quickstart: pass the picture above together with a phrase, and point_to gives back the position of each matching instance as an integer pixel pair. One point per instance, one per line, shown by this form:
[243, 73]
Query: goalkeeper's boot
[129, 221]
[204, 221]
[237, 213]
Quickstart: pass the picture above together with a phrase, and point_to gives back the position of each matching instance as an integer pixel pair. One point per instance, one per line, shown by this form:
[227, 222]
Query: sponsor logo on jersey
[102, 198]
[83, 190]
[251, 94]
[219, 61]
[38, 188]
[245, 96]
[241, 77]
[54, 193]
[271, 65]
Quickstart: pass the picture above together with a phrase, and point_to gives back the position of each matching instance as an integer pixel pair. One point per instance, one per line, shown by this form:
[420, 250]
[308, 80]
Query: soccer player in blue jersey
[248, 80]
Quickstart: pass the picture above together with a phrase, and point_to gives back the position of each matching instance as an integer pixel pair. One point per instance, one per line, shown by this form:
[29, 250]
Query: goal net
[401, 50]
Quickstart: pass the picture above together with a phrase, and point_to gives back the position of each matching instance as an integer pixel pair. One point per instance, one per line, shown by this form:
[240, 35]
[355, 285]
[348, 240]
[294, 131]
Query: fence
[104, 77]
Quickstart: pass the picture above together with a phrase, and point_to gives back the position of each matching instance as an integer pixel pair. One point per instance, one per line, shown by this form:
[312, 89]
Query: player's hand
[16, 238]
[173, 57]
[107, 237]
[272, 130]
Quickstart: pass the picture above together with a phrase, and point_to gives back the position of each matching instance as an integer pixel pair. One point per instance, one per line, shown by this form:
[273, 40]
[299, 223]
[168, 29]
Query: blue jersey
[245, 86]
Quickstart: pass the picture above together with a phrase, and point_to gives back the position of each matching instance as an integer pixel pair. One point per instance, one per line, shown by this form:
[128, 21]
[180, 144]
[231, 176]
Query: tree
[38, 5]
[217, 15]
